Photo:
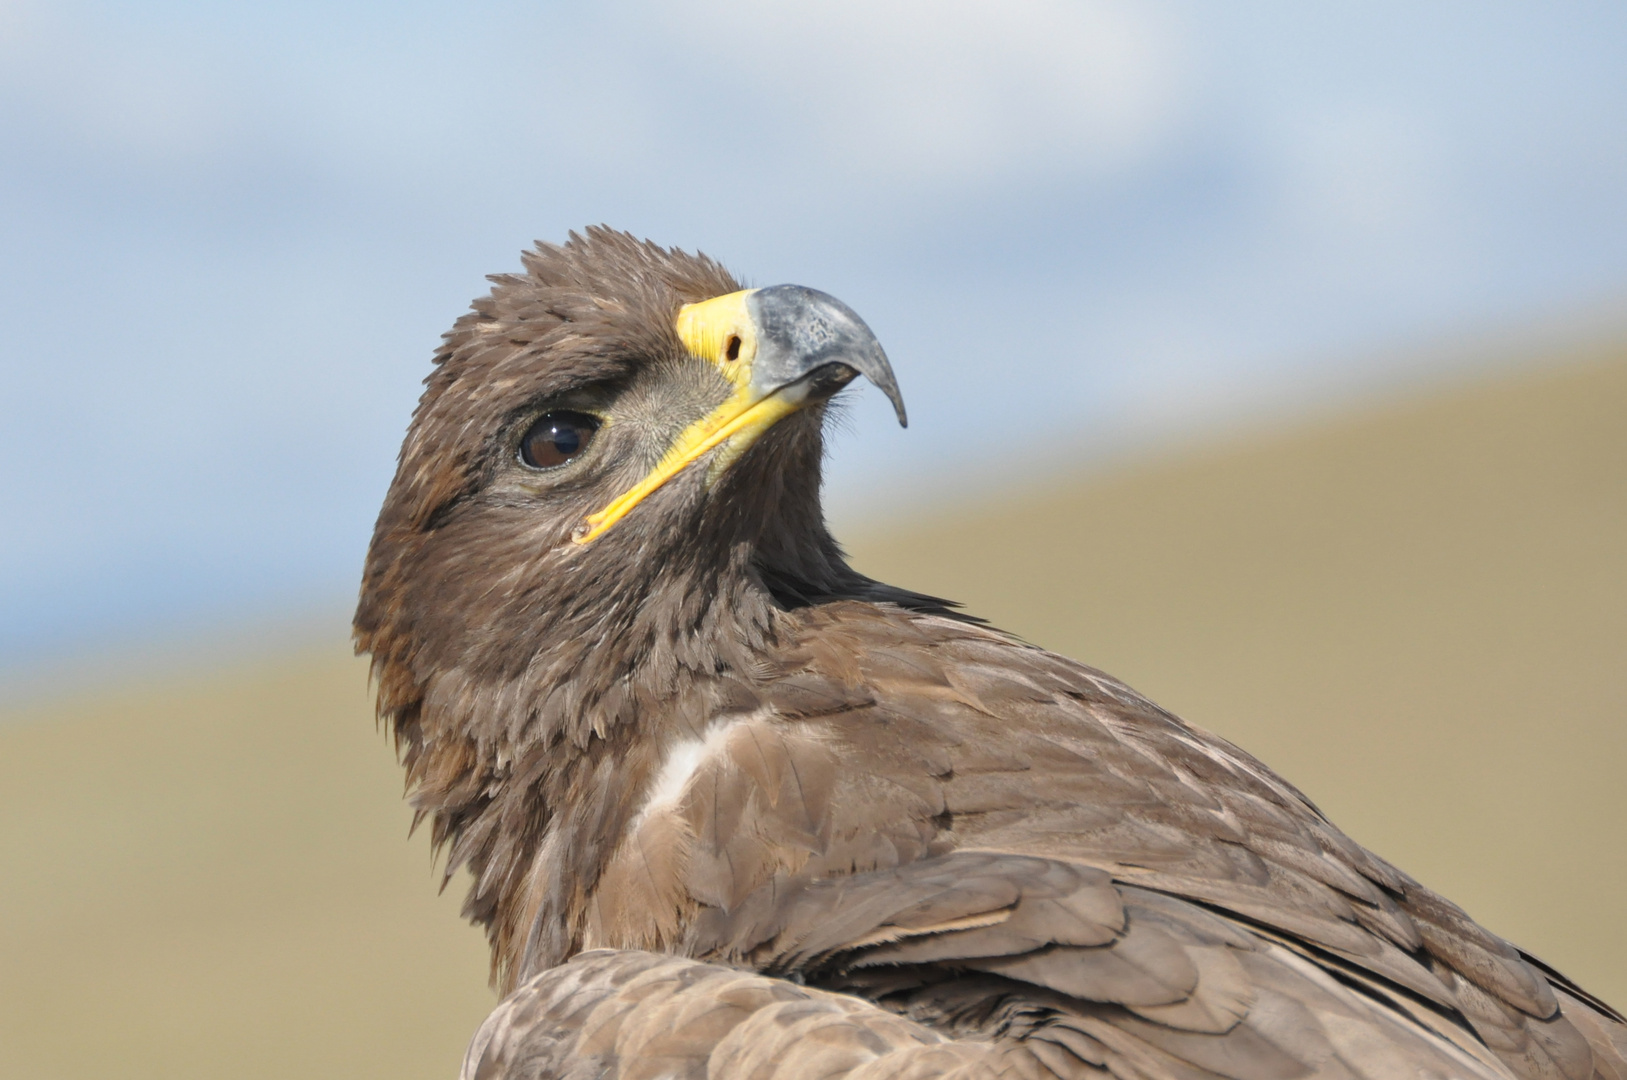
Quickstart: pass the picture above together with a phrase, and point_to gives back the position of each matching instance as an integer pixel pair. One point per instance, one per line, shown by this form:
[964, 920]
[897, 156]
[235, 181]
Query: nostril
[733, 351]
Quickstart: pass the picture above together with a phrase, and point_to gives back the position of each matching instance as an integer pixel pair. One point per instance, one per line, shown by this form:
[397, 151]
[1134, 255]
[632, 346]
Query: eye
[556, 438]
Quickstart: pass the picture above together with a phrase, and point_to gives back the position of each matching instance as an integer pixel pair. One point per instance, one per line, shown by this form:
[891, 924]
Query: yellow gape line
[721, 332]
[746, 427]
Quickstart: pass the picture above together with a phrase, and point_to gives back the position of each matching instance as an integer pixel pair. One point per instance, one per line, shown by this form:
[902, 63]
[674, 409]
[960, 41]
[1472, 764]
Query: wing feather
[939, 851]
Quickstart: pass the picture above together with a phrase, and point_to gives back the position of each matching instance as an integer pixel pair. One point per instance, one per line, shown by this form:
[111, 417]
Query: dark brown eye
[556, 438]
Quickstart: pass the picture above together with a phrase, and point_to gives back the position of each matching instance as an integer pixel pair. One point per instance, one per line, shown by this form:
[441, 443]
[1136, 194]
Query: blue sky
[232, 233]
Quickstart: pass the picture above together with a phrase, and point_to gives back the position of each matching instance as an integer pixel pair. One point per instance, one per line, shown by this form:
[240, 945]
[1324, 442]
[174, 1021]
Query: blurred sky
[232, 232]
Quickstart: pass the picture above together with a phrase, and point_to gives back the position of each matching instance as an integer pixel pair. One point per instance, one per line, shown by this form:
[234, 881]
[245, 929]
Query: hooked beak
[783, 348]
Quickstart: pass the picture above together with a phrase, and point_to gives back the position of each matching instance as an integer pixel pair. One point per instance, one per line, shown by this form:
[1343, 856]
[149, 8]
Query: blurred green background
[1415, 609]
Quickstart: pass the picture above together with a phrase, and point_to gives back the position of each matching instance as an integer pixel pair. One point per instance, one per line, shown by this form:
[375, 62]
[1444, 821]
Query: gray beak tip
[806, 328]
[898, 407]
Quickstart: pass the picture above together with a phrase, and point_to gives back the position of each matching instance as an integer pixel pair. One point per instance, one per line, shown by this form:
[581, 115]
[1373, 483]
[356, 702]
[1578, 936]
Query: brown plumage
[732, 809]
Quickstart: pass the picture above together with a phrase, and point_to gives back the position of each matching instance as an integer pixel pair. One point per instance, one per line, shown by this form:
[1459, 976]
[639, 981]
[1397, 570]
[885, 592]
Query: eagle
[731, 809]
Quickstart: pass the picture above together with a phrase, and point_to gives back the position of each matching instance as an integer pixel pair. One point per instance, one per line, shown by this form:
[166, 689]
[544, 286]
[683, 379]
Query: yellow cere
[707, 330]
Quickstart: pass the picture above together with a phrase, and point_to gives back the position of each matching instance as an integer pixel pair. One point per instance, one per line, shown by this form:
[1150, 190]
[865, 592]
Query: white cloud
[941, 92]
[231, 232]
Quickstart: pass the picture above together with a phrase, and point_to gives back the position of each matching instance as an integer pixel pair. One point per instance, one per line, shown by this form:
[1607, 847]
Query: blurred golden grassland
[1418, 614]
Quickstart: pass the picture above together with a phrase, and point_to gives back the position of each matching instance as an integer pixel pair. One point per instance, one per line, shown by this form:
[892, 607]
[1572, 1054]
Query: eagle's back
[1019, 865]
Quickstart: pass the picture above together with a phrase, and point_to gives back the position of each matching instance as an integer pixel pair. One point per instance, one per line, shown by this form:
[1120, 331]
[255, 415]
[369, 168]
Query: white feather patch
[684, 759]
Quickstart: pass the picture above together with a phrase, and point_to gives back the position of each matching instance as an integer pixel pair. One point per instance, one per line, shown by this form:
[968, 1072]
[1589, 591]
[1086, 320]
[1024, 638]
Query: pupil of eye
[556, 438]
